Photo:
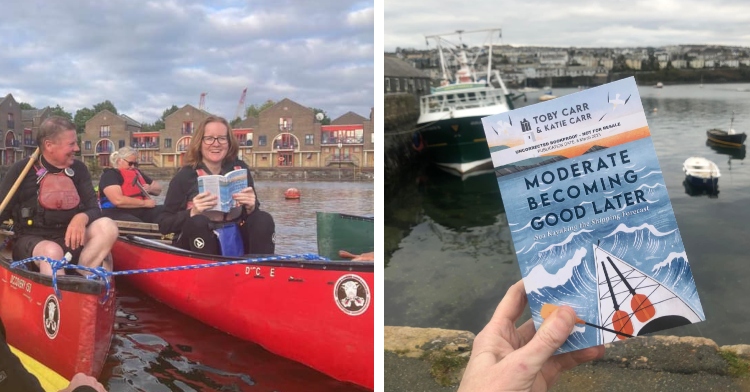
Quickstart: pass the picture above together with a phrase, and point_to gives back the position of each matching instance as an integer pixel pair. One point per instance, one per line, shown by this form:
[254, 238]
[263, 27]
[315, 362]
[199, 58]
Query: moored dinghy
[728, 138]
[701, 172]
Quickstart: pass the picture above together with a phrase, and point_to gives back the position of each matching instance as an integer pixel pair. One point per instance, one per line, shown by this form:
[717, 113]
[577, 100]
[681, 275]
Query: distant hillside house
[402, 77]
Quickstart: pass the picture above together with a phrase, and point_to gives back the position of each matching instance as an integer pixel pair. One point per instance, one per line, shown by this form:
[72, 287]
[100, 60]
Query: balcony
[29, 142]
[339, 159]
[11, 124]
[285, 128]
[12, 143]
[146, 146]
[285, 146]
[332, 141]
[103, 149]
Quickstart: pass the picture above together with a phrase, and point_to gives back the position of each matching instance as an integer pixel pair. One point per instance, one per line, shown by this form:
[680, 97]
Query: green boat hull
[455, 142]
[352, 233]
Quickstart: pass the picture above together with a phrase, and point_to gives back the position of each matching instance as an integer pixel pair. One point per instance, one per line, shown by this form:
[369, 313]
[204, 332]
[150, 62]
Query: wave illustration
[623, 228]
[566, 240]
[531, 247]
[521, 229]
[650, 173]
[651, 187]
[666, 263]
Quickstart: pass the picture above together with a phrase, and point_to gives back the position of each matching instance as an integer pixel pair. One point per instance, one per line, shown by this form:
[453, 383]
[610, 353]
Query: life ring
[417, 143]
[281, 159]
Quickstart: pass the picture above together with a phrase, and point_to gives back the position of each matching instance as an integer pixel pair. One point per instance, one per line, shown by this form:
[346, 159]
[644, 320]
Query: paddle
[547, 310]
[620, 319]
[640, 303]
[20, 178]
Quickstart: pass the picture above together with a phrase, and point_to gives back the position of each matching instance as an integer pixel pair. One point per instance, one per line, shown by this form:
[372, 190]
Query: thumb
[550, 336]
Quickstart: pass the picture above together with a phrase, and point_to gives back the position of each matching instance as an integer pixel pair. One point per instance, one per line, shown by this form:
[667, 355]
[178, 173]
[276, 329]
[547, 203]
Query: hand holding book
[522, 358]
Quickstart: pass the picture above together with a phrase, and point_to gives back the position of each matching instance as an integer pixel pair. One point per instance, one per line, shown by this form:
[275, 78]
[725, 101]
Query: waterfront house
[11, 127]
[32, 119]
[104, 133]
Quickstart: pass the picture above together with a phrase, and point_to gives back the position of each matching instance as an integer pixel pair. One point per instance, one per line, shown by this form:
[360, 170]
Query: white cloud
[145, 56]
[573, 23]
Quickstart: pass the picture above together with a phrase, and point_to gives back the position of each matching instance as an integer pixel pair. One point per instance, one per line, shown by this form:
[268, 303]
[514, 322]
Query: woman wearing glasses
[125, 193]
[213, 150]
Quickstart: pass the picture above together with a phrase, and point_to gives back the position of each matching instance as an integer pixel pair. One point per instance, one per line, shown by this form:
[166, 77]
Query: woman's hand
[246, 197]
[506, 358]
[202, 202]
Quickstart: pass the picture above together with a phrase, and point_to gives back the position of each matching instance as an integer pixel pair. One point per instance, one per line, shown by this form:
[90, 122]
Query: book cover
[224, 186]
[590, 217]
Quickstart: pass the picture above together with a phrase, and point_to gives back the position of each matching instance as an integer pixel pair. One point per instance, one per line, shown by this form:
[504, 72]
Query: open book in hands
[223, 186]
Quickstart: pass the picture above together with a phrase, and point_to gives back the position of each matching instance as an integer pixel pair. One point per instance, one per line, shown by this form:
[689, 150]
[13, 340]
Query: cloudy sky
[581, 23]
[145, 56]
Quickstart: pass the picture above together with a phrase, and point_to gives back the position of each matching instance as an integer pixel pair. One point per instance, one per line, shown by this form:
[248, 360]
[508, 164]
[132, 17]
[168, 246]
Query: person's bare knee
[51, 250]
[104, 229]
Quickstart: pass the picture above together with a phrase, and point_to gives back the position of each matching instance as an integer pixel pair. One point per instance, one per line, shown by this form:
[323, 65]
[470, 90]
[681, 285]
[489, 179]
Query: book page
[590, 217]
[213, 184]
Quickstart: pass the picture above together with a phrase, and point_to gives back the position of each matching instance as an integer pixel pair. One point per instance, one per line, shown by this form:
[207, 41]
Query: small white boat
[546, 97]
[659, 85]
[701, 172]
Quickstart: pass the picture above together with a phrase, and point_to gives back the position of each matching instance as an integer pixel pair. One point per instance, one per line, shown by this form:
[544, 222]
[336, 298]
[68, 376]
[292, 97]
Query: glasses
[132, 164]
[209, 140]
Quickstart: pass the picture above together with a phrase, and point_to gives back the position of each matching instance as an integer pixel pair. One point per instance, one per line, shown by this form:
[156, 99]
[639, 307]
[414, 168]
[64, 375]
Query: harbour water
[449, 254]
[156, 348]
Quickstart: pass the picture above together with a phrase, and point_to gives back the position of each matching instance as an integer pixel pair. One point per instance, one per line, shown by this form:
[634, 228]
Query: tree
[326, 120]
[60, 111]
[105, 105]
[254, 110]
[82, 115]
[158, 125]
[26, 106]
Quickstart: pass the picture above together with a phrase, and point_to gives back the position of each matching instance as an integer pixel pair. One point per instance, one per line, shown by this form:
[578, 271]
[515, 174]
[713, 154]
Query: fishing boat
[450, 129]
[66, 333]
[351, 233]
[701, 172]
[318, 313]
[631, 303]
[728, 138]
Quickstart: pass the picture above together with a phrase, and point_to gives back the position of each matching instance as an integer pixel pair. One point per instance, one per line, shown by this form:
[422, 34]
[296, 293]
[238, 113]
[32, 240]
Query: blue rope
[103, 274]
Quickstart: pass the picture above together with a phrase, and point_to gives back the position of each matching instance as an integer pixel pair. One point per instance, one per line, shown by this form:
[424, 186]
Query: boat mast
[489, 62]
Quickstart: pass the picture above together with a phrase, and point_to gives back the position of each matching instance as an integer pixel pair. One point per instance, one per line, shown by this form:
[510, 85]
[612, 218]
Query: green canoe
[351, 233]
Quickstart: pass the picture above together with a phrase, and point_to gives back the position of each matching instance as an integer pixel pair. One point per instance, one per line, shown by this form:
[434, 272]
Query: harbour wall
[400, 159]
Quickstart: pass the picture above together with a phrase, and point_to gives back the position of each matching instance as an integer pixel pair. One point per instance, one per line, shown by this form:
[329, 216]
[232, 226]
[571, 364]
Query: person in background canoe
[506, 358]
[213, 150]
[15, 378]
[55, 209]
[125, 192]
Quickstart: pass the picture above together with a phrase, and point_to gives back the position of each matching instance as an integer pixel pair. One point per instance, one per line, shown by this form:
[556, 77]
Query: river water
[156, 348]
[450, 258]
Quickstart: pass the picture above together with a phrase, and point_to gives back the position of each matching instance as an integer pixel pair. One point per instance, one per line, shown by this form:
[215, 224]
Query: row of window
[406, 85]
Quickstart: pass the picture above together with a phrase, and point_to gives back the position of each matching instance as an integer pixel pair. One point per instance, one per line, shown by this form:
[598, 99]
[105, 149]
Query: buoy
[292, 193]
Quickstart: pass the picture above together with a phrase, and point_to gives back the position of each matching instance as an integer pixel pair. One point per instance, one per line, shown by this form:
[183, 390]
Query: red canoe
[69, 334]
[318, 313]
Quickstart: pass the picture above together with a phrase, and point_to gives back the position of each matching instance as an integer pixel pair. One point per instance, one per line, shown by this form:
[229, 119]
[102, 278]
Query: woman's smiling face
[215, 143]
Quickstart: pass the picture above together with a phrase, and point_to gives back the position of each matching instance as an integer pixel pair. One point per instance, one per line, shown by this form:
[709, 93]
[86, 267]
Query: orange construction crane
[202, 102]
[241, 104]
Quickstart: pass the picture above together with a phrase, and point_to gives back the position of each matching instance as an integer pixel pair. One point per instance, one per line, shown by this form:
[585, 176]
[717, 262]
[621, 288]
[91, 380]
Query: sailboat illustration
[632, 303]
